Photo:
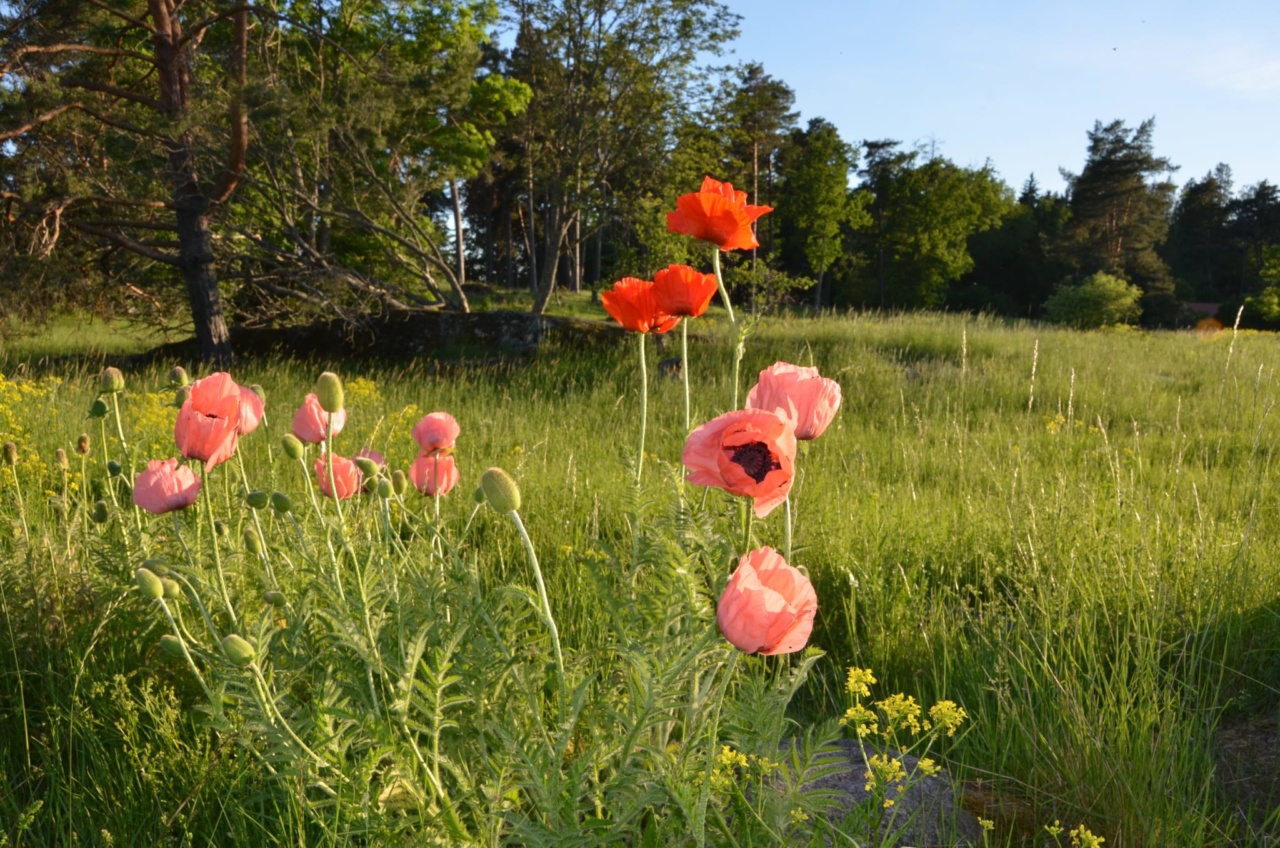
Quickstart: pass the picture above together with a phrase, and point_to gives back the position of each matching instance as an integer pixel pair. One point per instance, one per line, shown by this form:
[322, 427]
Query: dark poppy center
[755, 459]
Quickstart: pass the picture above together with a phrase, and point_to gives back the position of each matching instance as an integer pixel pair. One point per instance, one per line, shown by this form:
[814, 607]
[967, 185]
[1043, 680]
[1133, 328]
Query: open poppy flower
[768, 606]
[632, 304]
[209, 421]
[165, 486]
[434, 475]
[718, 214]
[310, 421]
[347, 477]
[799, 393]
[749, 452]
[436, 432]
[681, 290]
[251, 410]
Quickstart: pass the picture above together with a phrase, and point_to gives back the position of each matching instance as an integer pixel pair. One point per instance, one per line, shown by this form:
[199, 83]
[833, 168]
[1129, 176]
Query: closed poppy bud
[111, 381]
[238, 649]
[172, 589]
[156, 564]
[329, 392]
[258, 499]
[98, 409]
[60, 457]
[275, 598]
[366, 465]
[114, 468]
[292, 446]
[222, 528]
[478, 495]
[500, 490]
[10, 454]
[82, 444]
[178, 377]
[172, 646]
[385, 488]
[100, 514]
[370, 484]
[399, 482]
[281, 503]
[149, 584]
[252, 541]
[181, 396]
[768, 606]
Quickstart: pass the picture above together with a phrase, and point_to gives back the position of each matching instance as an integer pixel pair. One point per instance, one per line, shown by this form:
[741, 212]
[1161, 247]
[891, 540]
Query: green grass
[1085, 562]
[74, 335]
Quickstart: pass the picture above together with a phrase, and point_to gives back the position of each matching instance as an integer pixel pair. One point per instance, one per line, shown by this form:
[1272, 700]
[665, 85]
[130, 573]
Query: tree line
[262, 162]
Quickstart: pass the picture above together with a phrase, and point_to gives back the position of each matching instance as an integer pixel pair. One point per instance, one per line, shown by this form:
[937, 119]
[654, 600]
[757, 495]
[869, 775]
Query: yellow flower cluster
[884, 771]
[859, 681]
[900, 712]
[731, 763]
[948, 715]
[151, 417]
[361, 391]
[25, 407]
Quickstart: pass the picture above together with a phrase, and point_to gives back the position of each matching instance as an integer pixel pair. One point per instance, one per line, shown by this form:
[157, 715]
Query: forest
[208, 164]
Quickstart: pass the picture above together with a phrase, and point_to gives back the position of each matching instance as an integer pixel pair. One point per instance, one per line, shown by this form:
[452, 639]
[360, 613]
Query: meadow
[1070, 535]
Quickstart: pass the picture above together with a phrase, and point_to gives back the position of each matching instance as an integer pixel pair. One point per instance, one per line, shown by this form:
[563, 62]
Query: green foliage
[1100, 301]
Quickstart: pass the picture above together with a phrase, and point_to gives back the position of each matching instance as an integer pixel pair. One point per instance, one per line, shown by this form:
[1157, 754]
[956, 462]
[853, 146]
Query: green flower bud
[150, 585]
[222, 528]
[252, 541]
[10, 454]
[370, 484]
[257, 500]
[172, 646]
[113, 468]
[111, 381]
[292, 446]
[385, 488]
[172, 588]
[82, 444]
[478, 495]
[500, 490]
[239, 650]
[156, 565]
[178, 377]
[181, 395]
[100, 514]
[367, 466]
[259, 391]
[98, 409]
[281, 503]
[399, 482]
[275, 598]
[60, 457]
[329, 392]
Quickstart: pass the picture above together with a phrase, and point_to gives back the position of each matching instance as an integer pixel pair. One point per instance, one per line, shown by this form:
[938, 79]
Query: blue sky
[1022, 83]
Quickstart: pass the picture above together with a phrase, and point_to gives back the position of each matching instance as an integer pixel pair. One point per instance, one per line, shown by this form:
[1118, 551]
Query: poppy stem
[684, 368]
[546, 604]
[787, 530]
[748, 514]
[644, 407]
[739, 337]
[724, 293]
[213, 539]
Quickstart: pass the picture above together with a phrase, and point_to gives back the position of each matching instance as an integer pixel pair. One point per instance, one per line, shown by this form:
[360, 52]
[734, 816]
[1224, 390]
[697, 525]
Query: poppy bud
[111, 381]
[181, 395]
[113, 468]
[478, 495]
[275, 598]
[10, 454]
[329, 392]
[178, 377]
[370, 484]
[60, 457]
[259, 391]
[281, 503]
[292, 446]
[82, 444]
[239, 650]
[222, 528]
[98, 409]
[172, 646]
[367, 466]
[399, 482]
[156, 565]
[100, 514]
[500, 490]
[149, 584]
[385, 488]
[172, 589]
[252, 541]
[257, 500]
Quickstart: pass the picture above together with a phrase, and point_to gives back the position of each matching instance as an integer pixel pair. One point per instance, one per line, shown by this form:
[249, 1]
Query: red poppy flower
[681, 290]
[436, 432]
[768, 606]
[632, 304]
[434, 475]
[251, 410]
[749, 452]
[310, 421]
[718, 214]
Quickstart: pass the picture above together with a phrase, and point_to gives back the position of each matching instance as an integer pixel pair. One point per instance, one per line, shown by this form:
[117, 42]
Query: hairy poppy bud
[281, 503]
[222, 528]
[172, 588]
[149, 584]
[292, 446]
[258, 499]
[111, 381]
[329, 392]
[367, 466]
[399, 482]
[100, 514]
[478, 495]
[60, 457]
[82, 444]
[274, 597]
[385, 488]
[238, 649]
[10, 454]
[252, 541]
[157, 565]
[178, 377]
[181, 396]
[500, 490]
[113, 468]
[172, 646]
[98, 409]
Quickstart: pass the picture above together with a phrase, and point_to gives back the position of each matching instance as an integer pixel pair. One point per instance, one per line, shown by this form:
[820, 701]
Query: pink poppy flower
[434, 475]
[209, 420]
[347, 477]
[437, 431]
[251, 410]
[165, 486]
[748, 452]
[310, 421]
[809, 400]
[768, 606]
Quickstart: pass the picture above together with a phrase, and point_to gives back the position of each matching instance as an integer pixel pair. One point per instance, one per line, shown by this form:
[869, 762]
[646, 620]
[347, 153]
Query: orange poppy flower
[748, 452]
[681, 290]
[632, 304]
[718, 214]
